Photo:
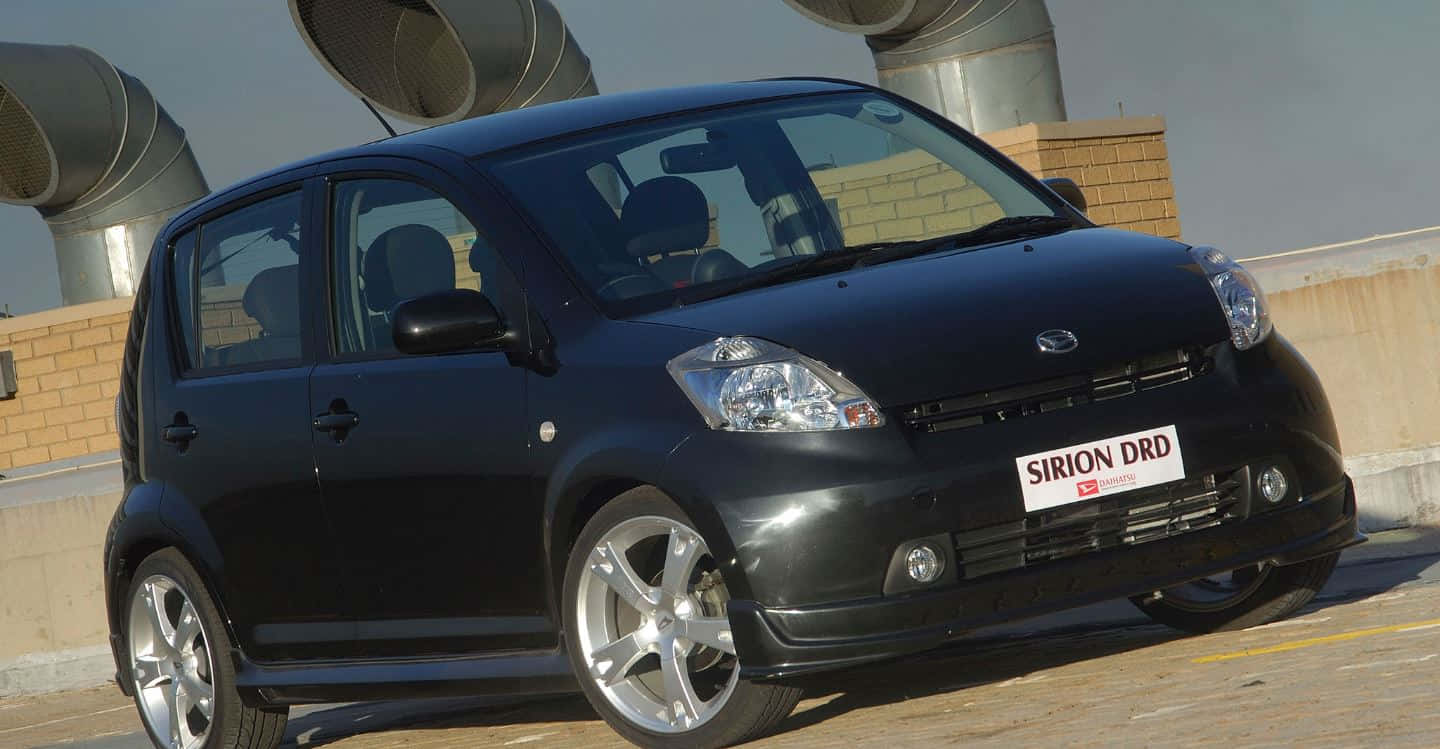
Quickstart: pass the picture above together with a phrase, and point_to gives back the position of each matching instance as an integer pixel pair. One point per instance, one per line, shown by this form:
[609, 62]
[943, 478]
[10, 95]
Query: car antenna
[376, 112]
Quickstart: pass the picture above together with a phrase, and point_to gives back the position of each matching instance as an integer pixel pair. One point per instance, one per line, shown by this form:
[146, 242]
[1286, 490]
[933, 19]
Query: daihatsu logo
[1056, 341]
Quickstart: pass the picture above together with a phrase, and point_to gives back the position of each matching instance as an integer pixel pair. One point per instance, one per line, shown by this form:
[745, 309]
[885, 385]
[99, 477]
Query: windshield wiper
[807, 265]
[1010, 227]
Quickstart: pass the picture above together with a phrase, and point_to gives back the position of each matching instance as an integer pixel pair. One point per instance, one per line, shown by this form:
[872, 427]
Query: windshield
[716, 202]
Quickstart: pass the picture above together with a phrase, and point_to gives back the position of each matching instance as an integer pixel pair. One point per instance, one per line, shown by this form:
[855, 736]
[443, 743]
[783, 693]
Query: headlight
[750, 385]
[1240, 296]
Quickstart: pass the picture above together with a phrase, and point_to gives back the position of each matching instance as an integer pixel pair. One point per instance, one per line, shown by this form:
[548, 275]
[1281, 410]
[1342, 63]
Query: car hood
[963, 322]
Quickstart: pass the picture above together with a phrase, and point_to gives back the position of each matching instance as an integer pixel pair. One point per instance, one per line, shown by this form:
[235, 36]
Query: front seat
[273, 300]
[402, 263]
[664, 216]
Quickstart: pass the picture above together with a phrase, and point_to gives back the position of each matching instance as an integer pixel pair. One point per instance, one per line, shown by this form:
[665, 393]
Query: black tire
[753, 709]
[236, 725]
[1282, 592]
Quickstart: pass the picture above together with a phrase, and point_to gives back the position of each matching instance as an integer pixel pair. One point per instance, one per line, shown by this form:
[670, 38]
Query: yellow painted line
[1312, 641]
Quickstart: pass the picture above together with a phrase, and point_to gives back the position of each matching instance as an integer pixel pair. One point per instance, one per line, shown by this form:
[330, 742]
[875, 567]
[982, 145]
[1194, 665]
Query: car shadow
[1010, 652]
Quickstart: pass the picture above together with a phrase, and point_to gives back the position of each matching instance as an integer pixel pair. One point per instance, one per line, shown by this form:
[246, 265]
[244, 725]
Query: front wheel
[1246, 597]
[647, 632]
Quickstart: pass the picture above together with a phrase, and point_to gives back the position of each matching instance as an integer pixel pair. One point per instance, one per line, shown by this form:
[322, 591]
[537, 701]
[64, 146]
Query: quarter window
[396, 240]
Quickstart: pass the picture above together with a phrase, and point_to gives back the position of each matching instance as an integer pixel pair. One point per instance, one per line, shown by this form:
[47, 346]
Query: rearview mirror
[1067, 189]
[451, 320]
[697, 157]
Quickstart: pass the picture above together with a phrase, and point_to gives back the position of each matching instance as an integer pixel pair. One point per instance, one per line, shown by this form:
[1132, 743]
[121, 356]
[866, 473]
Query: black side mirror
[1067, 189]
[451, 320]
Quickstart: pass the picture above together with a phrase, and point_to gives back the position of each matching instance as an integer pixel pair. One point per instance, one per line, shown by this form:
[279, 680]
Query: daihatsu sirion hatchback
[672, 397]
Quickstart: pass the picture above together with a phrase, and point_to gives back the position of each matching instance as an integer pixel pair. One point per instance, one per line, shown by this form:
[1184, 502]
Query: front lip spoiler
[770, 652]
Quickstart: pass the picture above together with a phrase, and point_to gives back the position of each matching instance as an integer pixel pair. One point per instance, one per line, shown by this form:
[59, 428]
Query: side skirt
[529, 672]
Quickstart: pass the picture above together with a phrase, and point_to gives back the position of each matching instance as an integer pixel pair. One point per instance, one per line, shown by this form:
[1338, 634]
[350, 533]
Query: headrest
[273, 299]
[405, 262]
[665, 214]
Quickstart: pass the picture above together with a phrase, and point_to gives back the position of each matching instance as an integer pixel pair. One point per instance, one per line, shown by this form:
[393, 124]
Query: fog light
[1272, 484]
[924, 563]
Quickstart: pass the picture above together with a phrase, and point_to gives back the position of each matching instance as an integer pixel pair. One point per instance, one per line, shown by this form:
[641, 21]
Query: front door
[232, 435]
[423, 459]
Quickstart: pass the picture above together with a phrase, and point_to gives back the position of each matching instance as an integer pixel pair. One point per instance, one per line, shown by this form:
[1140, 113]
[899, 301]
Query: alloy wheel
[652, 625]
[171, 663]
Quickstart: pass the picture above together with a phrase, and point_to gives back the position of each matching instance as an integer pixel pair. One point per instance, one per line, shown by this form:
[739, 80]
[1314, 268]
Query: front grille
[1145, 373]
[1125, 519]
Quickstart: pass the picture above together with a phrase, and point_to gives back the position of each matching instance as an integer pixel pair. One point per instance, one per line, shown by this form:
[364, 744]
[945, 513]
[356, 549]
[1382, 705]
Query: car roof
[495, 132]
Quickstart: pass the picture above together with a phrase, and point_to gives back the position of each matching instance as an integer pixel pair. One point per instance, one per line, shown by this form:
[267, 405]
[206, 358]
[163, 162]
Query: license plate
[1094, 469]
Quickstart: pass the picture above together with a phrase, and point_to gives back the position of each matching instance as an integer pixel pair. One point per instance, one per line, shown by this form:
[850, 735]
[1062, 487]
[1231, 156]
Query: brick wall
[68, 366]
[1121, 165]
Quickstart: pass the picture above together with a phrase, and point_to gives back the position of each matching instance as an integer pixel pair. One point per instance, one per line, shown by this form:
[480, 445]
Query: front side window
[686, 208]
[396, 240]
[244, 271]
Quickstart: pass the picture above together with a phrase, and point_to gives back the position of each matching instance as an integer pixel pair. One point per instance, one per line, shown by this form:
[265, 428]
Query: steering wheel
[649, 280]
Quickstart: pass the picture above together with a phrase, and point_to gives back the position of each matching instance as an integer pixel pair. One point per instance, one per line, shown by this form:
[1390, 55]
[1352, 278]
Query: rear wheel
[1246, 597]
[648, 635]
[181, 675]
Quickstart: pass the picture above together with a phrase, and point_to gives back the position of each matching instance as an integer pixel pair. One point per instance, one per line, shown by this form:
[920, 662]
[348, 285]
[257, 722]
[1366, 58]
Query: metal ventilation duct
[436, 61]
[89, 147]
[985, 64]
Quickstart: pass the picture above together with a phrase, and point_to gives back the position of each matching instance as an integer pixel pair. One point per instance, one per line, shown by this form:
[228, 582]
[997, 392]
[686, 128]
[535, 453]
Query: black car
[674, 396]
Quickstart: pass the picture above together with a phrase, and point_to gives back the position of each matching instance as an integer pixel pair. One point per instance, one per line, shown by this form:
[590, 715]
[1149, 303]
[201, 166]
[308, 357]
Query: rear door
[231, 415]
[424, 459]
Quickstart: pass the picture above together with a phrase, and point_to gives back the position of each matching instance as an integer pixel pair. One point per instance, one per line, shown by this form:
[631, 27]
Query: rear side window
[245, 273]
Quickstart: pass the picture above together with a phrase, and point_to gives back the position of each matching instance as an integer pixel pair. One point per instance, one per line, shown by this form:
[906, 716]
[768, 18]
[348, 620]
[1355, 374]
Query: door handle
[179, 434]
[336, 421]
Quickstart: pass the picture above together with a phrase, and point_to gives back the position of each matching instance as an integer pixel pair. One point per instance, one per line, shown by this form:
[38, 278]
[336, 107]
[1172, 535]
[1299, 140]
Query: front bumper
[789, 641]
[805, 527]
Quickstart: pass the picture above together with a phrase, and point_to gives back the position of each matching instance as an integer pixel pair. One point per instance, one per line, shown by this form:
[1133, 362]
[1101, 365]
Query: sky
[1291, 122]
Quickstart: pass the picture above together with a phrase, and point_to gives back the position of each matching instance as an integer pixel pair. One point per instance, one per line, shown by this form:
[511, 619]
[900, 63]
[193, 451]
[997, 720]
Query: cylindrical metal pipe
[89, 147]
[985, 64]
[437, 61]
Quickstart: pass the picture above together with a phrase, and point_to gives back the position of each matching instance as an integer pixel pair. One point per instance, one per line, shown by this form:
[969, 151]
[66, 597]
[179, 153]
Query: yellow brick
[12, 442]
[1052, 160]
[988, 212]
[90, 428]
[110, 426]
[122, 317]
[1127, 212]
[1152, 209]
[866, 182]
[1102, 214]
[99, 409]
[80, 394]
[914, 174]
[118, 332]
[1095, 175]
[47, 436]
[1122, 172]
[1161, 188]
[214, 318]
[852, 198]
[4, 461]
[859, 234]
[892, 192]
[90, 337]
[59, 380]
[1030, 162]
[1130, 152]
[946, 180]
[21, 349]
[30, 456]
[1092, 195]
[65, 415]
[1113, 140]
[1071, 173]
[75, 359]
[110, 388]
[41, 401]
[1164, 169]
[11, 407]
[870, 214]
[1102, 155]
[900, 228]
[967, 198]
[68, 327]
[98, 372]
[1137, 191]
[1168, 227]
[1155, 150]
[952, 221]
[828, 189]
[35, 367]
[110, 352]
[1146, 170]
[1170, 208]
[26, 335]
[1111, 194]
[24, 422]
[104, 443]
[919, 206]
[1077, 157]
[70, 449]
[52, 344]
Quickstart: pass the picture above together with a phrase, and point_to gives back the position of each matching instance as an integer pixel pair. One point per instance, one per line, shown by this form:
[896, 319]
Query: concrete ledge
[38, 673]
[62, 315]
[1397, 489]
[1113, 127]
